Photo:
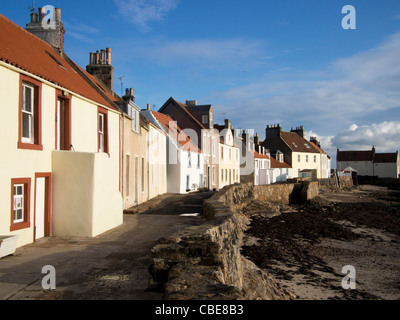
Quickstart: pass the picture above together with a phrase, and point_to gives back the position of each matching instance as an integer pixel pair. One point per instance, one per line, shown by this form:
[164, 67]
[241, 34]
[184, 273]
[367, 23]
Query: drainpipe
[123, 157]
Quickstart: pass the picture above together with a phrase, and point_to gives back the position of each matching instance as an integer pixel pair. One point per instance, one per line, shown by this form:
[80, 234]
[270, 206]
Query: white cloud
[385, 136]
[327, 100]
[201, 52]
[141, 12]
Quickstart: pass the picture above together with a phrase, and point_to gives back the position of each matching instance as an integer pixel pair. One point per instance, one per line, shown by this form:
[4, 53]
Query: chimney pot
[42, 14]
[108, 56]
[102, 57]
[57, 15]
[148, 106]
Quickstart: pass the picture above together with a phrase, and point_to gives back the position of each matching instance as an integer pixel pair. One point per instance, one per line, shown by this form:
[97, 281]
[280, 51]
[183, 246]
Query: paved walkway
[113, 265]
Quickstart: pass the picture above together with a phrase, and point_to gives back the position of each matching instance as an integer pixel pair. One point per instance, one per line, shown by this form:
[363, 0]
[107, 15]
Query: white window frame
[18, 203]
[101, 132]
[29, 114]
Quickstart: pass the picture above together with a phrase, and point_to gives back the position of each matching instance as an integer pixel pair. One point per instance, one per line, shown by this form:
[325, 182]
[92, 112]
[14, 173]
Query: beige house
[134, 154]
[303, 156]
[60, 137]
[229, 156]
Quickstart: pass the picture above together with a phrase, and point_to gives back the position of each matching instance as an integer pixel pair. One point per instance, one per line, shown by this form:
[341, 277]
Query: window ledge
[29, 146]
[20, 226]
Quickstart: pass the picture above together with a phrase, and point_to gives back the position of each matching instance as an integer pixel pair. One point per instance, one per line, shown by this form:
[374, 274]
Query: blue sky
[258, 62]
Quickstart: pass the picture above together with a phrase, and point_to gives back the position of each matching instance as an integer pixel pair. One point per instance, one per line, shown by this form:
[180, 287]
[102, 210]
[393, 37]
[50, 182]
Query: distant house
[199, 120]
[281, 170]
[256, 166]
[134, 152]
[185, 161]
[60, 137]
[229, 156]
[369, 162]
[304, 157]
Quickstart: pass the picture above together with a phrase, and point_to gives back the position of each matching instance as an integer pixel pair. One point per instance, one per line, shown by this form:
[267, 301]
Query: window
[205, 119]
[30, 122]
[189, 160]
[143, 170]
[102, 130]
[128, 165]
[222, 174]
[134, 114]
[222, 153]
[307, 146]
[213, 147]
[306, 157]
[188, 182]
[198, 161]
[298, 158]
[213, 175]
[20, 204]
[315, 159]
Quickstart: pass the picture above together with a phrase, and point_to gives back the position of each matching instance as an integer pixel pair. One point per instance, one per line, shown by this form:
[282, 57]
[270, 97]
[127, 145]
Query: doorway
[42, 219]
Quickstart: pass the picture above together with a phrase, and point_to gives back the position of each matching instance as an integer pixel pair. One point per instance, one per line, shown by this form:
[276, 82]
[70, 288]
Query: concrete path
[113, 265]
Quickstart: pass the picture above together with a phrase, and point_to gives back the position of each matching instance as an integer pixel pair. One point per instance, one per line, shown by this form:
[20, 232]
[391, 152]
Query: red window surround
[104, 112]
[26, 223]
[37, 112]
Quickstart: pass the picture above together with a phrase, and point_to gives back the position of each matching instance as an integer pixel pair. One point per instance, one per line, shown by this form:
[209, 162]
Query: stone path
[112, 266]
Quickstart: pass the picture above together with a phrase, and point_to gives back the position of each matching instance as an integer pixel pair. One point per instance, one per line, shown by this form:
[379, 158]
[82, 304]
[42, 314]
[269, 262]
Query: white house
[185, 161]
[59, 172]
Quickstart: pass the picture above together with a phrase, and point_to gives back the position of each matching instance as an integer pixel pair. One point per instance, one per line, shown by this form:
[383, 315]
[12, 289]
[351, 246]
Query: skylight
[55, 59]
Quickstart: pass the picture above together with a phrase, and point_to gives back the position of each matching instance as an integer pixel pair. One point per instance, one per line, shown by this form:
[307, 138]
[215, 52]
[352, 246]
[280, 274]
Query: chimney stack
[129, 95]
[299, 131]
[52, 33]
[191, 102]
[148, 107]
[100, 67]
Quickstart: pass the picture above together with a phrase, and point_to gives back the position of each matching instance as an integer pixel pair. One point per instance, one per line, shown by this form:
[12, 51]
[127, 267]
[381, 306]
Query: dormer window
[205, 119]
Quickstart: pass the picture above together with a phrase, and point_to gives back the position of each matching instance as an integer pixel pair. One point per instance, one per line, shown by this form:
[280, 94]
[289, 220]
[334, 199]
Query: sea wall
[204, 262]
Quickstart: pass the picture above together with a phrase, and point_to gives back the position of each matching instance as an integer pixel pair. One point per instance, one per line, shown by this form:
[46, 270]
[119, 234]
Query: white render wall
[387, 170]
[364, 168]
[303, 164]
[18, 163]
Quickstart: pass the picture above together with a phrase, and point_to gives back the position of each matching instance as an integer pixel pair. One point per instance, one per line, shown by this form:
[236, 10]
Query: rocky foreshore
[305, 247]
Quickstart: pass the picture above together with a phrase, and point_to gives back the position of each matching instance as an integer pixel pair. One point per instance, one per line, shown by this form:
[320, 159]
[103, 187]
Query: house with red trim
[60, 164]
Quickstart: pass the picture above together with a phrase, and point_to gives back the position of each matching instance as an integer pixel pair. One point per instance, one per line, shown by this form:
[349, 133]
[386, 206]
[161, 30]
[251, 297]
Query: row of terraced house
[76, 154]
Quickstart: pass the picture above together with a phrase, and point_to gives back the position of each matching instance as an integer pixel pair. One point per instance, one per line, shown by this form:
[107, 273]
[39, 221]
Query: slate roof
[348, 156]
[386, 158]
[297, 143]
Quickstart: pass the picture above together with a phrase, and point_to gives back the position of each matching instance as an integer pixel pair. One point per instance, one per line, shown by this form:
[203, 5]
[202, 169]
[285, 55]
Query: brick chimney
[100, 67]
[52, 31]
[299, 131]
[129, 95]
[191, 103]
[273, 131]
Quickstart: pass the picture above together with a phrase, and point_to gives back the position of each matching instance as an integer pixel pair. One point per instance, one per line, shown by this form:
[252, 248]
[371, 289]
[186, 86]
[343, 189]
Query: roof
[318, 148]
[355, 155]
[260, 156]
[276, 164]
[183, 139]
[297, 143]
[27, 52]
[183, 108]
[386, 157]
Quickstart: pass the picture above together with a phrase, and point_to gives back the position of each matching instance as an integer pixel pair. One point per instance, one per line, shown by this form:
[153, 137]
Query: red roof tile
[25, 51]
[297, 143]
[386, 158]
[355, 155]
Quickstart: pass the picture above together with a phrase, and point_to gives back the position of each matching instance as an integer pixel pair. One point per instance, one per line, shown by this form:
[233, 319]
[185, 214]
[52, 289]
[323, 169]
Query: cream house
[60, 137]
[134, 154]
[229, 156]
[303, 156]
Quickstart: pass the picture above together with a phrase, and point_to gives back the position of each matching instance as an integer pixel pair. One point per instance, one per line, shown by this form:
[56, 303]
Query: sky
[258, 62]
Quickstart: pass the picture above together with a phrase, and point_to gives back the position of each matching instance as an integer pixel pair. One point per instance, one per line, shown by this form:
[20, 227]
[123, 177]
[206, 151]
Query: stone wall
[204, 262]
[345, 182]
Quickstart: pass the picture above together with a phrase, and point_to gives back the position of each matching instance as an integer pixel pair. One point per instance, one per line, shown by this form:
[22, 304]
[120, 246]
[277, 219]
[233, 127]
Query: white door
[40, 207]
